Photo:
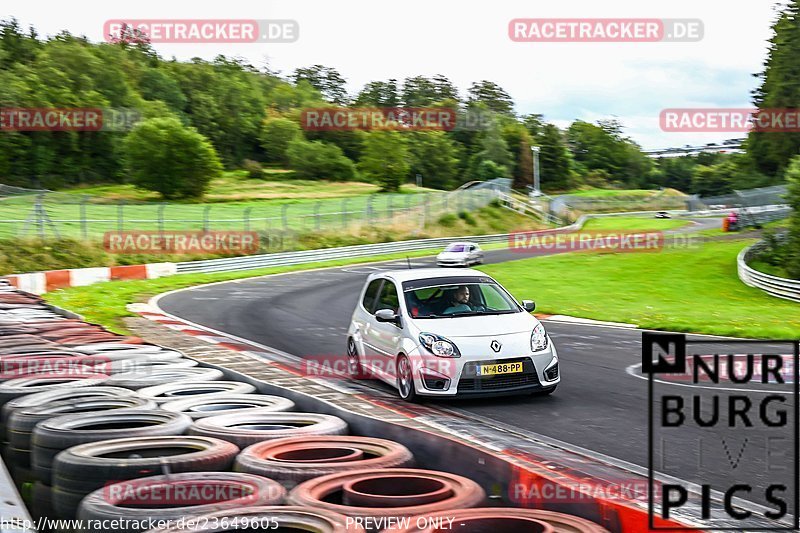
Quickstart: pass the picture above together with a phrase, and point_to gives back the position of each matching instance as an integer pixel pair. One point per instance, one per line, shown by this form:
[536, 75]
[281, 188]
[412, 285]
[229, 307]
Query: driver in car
[460, 301]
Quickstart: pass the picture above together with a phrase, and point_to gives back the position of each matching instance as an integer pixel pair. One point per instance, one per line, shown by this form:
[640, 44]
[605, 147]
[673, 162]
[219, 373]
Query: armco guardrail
[326, 254]
[788, 289]
[367, 250]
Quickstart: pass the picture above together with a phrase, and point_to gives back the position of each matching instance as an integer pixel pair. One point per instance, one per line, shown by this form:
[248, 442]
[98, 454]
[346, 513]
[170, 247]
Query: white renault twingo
[437, 333]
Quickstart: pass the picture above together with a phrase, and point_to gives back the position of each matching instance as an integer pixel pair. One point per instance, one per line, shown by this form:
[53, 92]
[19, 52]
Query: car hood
[478, 326]
[452, 255]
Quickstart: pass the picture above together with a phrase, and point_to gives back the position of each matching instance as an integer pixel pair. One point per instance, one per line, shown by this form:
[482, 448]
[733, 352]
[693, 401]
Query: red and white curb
[43, 282]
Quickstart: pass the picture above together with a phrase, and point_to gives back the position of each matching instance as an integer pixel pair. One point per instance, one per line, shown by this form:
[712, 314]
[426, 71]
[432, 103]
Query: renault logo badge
[496, 346]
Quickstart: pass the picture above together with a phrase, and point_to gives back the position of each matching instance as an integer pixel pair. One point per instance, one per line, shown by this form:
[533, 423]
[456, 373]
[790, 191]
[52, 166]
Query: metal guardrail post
[160, 215]
[121, 216]
[206, 213]
[39, 210]
[368, 209]
[247, 212]
[84, 222]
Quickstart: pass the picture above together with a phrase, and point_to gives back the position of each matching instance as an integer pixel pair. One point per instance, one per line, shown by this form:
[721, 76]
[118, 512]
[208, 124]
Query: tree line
[200, 117]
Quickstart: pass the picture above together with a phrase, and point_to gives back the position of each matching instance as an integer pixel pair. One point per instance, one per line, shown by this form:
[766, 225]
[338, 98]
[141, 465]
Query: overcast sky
[466, 41]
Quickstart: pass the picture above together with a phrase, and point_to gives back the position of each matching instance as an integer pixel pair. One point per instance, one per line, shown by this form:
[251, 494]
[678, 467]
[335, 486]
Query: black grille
[551, 373]
[471, 382]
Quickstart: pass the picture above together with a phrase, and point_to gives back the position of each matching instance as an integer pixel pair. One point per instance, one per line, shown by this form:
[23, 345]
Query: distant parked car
[460, 254]
[663, 214]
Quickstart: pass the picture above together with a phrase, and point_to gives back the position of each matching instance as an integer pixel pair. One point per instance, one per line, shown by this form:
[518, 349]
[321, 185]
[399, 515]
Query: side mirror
[386, 315]
[529, 305]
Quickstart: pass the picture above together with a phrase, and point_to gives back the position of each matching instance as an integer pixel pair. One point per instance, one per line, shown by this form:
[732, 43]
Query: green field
[633, 224]
[610, 193]
[694, 290]
[233, 203]
[235, 186]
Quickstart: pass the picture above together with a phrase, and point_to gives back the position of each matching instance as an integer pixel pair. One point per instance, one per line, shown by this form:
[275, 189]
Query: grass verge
[606, 193]
[690, 290]
[633, 224]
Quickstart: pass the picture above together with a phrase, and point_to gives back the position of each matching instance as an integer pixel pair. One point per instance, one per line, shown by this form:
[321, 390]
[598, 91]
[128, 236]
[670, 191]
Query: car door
[363, 317]
[385, 337]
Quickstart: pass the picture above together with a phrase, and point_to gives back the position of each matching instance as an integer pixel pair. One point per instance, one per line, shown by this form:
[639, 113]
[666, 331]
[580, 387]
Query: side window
[389, 298]
[371, 294]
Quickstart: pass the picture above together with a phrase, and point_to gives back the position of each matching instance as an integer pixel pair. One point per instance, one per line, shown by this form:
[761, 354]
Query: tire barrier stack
[105, 426]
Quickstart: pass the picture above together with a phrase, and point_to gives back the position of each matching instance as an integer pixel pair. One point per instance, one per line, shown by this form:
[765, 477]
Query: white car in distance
[460, 254]
[437, 333]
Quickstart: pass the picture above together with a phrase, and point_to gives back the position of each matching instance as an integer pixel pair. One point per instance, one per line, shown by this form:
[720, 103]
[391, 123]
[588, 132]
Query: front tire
[354, 368]
[405, 379]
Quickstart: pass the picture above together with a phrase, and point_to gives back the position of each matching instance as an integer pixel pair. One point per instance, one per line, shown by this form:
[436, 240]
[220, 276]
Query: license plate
[499, 368]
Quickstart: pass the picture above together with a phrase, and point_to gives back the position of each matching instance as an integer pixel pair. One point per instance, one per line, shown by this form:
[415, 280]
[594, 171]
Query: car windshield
[456, 297]
[456, 248]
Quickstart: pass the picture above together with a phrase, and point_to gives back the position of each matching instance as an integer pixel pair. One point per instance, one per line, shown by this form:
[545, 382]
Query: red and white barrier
[42, 282]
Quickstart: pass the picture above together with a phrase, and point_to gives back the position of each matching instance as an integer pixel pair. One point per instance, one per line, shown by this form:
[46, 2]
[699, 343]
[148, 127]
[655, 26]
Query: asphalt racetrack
[600, 405]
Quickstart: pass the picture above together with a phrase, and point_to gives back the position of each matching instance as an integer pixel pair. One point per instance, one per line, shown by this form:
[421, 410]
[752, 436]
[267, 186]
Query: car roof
[427, 273]
[461, 242]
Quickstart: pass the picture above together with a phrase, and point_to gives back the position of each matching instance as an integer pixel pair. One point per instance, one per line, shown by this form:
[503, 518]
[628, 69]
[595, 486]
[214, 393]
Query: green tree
[421, 91]
[276, 134]
[379, 94]
[713, 180]
[534, 124]
[318, 160]
[165, 156]
[675, 172]
[488, 170]
[554, 159]
[779, 89]
[385, 159]
[518, 140]
[435, 157]
[326, 80]
[491, 94]
[793, 199]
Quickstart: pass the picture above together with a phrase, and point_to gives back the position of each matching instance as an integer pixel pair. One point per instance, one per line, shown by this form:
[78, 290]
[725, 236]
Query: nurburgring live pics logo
[750, 411]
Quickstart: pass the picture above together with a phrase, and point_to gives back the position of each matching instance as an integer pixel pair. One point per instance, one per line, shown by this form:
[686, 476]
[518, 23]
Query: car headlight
[438, 346]
[538, 339]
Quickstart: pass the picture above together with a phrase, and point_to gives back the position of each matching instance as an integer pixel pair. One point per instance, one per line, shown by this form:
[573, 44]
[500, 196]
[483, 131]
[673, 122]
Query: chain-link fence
[761, 196]
[47, 215]
[570, 207]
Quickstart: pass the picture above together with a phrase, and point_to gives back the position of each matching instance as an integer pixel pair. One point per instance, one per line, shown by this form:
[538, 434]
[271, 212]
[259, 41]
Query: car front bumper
[457, 377]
